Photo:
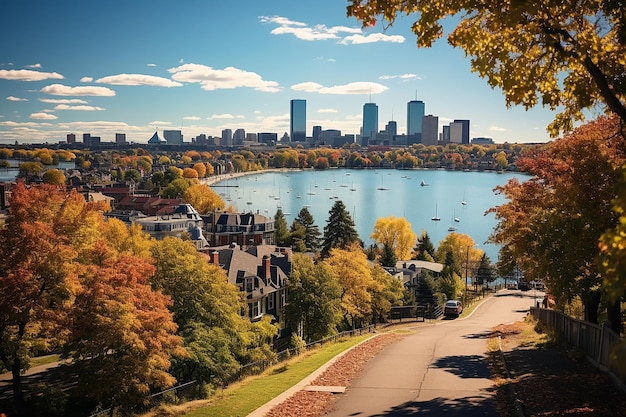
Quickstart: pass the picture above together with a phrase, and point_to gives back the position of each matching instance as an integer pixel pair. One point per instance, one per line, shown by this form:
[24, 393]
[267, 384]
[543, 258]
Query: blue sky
[202, 66]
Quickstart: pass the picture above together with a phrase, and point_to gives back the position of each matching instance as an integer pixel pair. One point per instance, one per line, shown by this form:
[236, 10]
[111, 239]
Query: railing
[596, 341]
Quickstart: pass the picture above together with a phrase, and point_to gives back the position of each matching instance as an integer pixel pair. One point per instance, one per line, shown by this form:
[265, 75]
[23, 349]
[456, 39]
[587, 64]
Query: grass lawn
[241, 398]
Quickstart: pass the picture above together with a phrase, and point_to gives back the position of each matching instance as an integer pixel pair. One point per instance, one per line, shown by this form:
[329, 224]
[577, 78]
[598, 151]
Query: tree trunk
[18, 396]
[592, 303]
[614, 314]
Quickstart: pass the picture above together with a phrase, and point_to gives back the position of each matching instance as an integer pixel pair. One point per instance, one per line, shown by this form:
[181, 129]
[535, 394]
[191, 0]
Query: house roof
[431, 266]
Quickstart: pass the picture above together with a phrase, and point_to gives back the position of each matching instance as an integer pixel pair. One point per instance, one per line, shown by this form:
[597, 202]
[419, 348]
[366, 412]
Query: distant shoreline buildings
[420, 128]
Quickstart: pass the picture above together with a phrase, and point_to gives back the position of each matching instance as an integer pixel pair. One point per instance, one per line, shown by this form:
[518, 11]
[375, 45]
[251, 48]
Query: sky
[201, 66]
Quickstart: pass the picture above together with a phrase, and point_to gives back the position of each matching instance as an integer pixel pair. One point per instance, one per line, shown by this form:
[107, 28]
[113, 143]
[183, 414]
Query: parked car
[452, 308]
[523, 286]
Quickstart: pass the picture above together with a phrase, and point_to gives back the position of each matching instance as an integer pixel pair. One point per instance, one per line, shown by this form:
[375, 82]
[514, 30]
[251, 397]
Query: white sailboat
[436, 218]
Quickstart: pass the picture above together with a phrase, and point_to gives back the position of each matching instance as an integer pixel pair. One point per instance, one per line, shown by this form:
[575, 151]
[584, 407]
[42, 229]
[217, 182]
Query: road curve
[437, 370]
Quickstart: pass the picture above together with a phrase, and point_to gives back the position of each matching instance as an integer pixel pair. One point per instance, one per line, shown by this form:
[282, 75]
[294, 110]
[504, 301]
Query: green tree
[485, 273]
[311, 231]
[339, 231]
[387, 291]
[281, 229]
[296, 237]
[313, 311]
[388, 256]
[568, 56]
[207, 310]
[176, 188]
[425, 250]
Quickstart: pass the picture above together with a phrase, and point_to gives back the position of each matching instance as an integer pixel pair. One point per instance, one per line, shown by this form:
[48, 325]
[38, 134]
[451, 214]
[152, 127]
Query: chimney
[215, 257]
[266, 267]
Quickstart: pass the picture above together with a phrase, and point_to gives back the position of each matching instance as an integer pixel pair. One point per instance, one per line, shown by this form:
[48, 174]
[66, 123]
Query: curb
[517, 404]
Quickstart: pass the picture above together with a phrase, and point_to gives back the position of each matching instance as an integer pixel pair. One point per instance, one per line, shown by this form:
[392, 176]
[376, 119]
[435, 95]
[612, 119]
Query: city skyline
[205, 67]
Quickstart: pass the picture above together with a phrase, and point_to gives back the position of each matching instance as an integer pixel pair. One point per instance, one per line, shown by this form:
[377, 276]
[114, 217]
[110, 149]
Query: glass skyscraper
[297, 127]
[370, 123]
[415, 111]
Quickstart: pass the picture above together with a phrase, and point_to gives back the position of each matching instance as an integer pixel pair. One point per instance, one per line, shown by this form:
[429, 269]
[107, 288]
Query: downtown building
[297, 125]
[370, 123]
[415, 111]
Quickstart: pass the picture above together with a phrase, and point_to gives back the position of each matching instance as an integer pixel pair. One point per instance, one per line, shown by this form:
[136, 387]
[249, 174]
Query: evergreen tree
[297, 237]
[311, 231]
[486, 272]
[425, 250]
[281, 229]
[388, 257]
[339, 231]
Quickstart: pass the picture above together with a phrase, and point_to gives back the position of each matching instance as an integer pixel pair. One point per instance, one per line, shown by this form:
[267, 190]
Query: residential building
[262, 273]
[297, 125]
[184, 220]
[370, 123]
[223, 228]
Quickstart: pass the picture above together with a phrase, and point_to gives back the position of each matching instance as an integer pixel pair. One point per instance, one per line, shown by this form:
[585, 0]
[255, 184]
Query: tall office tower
[71, 138]
[456, 132]
[415, 110]
[465, 133]
[87, 139]
[173, 137]
[430, 130]
[120, 138]
[239, 136]
[370, 123]
[297, 126]
[227, 137]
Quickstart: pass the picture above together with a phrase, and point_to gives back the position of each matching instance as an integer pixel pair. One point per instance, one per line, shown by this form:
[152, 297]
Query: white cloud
[81, 108]
[227, 78]
[43, 116]
[305, 32]
[221, 116]
[63, 100]
[12, 98]
[327, 111]
[28, 75]
[159, 122]
[151, 65]
[138, 79]
[404, 77]
[86, 79]
[192, 118]
[372, 38]
[497, 129]
[64, 90]
[33, 66]
[350, 88]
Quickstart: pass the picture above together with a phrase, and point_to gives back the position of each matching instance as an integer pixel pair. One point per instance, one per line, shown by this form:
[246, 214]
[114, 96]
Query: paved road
[438, 370]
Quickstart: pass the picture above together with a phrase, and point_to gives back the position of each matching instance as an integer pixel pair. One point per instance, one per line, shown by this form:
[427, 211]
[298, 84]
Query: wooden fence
[598, 342]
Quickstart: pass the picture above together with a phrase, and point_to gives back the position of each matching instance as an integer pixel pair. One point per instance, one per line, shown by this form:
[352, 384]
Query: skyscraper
[297, 127]
[415, 110]
[430, 130]
[370, 123]
[465, 130]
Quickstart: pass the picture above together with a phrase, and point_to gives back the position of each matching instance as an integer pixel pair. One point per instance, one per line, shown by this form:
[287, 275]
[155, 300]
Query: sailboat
[463, 201]
[382, 188]
[436, 218]
[452, 227]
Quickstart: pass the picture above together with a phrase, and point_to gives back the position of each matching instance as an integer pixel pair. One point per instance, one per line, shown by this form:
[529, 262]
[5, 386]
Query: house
[239, 228]
[411, 271]
[261, 272]
[184, 219]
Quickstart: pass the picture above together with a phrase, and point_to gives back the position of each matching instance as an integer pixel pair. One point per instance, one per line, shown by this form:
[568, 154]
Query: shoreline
[218, 178]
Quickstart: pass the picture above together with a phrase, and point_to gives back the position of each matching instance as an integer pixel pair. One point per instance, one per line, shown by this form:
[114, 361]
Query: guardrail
[596, 341]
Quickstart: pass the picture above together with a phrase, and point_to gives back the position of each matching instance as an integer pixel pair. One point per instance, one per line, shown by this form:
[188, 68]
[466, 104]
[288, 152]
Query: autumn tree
[386, 292]
[339, 231]
[395, 233]
[38, 274]
[313, 311]
[203, 198]
[53, 177]
[355, 278]
[567, 199]
[121, 333]
[568, 56]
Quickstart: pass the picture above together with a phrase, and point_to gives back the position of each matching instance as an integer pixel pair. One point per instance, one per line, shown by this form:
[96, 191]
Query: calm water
[371, 194]
[11, 173]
